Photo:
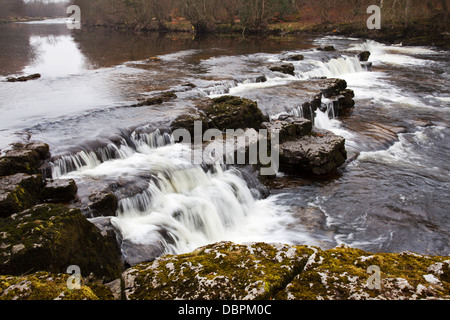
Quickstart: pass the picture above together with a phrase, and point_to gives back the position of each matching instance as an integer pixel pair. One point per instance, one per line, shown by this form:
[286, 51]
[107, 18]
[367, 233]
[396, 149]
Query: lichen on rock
[47, 286]
[342, 274]
[53, 237]
[221, 271]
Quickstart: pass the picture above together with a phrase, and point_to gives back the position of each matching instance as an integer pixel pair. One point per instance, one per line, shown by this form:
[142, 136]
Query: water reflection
[55, 56]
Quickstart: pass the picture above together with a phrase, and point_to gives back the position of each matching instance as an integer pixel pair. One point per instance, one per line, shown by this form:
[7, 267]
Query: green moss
[53, 237]
[219, 271]
[341, 274]
[45, 286]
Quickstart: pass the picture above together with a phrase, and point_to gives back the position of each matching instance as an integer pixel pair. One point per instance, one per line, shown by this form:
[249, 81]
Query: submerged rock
[53, 237]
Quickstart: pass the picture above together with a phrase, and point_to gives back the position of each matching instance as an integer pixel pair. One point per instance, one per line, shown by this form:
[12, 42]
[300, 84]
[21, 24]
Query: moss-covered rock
[343, 273]
[23, 158]
[46, 286]
[53, 237]
[218, 271]
[18, 192]
[160, 99]
[59, 190]
[229, 112]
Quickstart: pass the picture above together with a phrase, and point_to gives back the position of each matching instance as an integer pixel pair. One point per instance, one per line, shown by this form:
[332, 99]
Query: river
[393, 197]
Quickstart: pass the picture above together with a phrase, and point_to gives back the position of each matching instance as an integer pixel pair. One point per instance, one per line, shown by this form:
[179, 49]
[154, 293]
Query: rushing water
[392, 197]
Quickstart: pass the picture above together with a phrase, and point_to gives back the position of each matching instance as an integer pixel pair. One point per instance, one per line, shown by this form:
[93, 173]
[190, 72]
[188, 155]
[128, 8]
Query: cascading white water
[90, 159]
[185, 206]
[334, 68]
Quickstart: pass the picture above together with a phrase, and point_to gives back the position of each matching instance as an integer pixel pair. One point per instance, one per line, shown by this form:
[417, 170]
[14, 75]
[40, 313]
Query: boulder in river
[289, 128]
[24, 78]
[287, 68]
[53, 237]
[226, 112]
[319, 153]
[59, 190]
[19, 192]
[296, 57]
[160, 99]
[364, 56]
[229, 112]
[103, 204]
[327, 48]
[24, 158]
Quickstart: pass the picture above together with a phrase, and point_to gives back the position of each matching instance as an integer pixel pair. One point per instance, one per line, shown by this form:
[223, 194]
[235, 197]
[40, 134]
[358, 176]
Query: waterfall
[184, 205]
[138, 140]
[192, 206]
[334, 68]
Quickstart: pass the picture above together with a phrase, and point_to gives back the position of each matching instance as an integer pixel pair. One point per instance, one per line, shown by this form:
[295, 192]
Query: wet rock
[333, 87]
[345, 99]
[62, 190]
[296, 57]
[261, 79]
[160, 99]
[326, 48]
[289, 128]
[53, 237]
[24, 158]
[19, 192]
[153, 59]
[364, 56]
[103, 204]
[287, 68]
[229, 112]
[367, 65]
[320, 153]
[24, 78]
[50, 286]
[187, 122]
[221, 271]
[343, 273]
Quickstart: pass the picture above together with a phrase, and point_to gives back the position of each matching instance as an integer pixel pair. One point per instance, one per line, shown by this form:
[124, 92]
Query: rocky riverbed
[43, 230]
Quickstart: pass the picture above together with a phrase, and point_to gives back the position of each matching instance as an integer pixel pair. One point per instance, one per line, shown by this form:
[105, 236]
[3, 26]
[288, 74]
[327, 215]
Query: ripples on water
[393, 197]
